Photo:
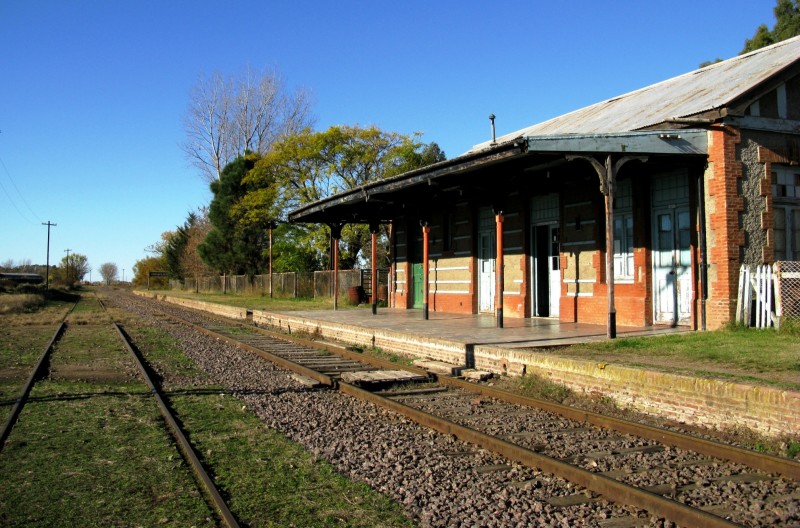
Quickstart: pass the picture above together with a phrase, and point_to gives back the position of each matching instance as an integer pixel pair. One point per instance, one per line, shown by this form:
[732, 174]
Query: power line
[22, 197]
[13, 203]
[19, 193]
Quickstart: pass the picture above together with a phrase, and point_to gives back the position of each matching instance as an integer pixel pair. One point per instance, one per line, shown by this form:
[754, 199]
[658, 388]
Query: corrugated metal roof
[695, 92]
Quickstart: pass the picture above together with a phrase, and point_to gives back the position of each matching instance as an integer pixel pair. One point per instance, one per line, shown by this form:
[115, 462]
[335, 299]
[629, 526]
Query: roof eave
[685, 141]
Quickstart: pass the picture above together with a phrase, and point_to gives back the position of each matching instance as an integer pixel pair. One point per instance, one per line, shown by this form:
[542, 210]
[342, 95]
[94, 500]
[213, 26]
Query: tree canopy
[236, 241]
[230, 116]
[109, 271]
[73, 268]
[142, 269]
[310, 166]
[787, 25]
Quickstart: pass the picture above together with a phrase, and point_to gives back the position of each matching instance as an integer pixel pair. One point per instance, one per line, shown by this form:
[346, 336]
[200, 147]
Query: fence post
[739, 296]
[759, 296]
[747, 296]
[765, 300]
[778, 295]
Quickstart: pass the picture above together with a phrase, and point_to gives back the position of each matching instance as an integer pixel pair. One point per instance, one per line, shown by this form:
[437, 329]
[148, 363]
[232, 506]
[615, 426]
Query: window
[786, 202]
[787, 233]
[623, 231]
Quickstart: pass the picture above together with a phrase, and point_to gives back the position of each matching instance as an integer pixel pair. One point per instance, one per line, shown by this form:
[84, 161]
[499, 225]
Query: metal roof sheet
[709, 88]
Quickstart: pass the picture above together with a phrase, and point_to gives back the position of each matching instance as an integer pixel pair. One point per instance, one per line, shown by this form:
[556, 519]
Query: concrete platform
[472, 330]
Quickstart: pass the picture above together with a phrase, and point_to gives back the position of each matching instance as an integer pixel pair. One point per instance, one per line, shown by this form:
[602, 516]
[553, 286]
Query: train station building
[637, 211]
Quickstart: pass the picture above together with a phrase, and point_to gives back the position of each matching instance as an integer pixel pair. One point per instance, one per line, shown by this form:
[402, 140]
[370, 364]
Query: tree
[236, 240]
[294, 249]
[230, 116]
[109, 272]
[192, 264]
[310, 166]
[787, 25]
[73, 268]
[143, 267]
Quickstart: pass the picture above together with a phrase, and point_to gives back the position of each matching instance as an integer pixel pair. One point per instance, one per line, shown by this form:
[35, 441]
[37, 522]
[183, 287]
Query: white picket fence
[768, 294]
[756, 286]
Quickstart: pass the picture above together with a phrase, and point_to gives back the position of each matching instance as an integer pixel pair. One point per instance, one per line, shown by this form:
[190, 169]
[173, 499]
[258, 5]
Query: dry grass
[20, 303]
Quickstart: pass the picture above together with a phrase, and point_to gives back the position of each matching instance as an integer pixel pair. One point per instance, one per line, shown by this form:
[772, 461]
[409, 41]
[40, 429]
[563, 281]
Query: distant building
[702, 170]
[21, 278]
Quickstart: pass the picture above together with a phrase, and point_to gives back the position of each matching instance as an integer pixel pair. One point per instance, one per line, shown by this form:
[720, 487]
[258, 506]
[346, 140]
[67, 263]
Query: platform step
[439, 367]
[476, 375]
[381, 376]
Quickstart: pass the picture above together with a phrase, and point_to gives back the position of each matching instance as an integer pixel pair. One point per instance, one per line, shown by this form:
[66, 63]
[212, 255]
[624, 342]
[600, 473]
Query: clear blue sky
[93, 92]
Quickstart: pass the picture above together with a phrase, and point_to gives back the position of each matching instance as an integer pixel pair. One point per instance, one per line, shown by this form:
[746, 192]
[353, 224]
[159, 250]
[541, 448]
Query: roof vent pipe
[491, 118]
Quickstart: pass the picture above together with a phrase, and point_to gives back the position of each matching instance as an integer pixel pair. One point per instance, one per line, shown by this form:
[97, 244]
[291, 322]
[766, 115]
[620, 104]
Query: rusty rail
[180, 438]
[611, 489]
[26, 389]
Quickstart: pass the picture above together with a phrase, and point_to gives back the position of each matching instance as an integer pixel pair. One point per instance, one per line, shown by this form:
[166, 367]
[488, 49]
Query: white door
[672, 277]
[555, 271]
[546, 272]
[486, 264]
[545, 249]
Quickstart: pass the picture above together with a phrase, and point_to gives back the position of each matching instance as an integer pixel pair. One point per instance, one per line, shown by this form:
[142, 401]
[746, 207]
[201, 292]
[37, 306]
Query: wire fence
[788, 290]
[317, 284]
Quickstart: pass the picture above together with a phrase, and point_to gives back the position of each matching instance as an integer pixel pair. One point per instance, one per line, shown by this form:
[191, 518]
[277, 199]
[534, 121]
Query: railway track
[39, 373]
[680, 478]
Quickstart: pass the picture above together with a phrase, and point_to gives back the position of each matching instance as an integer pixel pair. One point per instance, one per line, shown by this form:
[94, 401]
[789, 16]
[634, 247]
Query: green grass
[87, 455]
[738, 354]
[538, 387]
[20, 349]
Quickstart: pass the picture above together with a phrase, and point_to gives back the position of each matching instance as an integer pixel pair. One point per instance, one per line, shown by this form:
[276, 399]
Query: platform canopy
[490, 173]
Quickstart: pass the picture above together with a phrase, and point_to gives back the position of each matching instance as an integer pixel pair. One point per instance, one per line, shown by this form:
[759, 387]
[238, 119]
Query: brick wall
[724, 235]
[683, 398]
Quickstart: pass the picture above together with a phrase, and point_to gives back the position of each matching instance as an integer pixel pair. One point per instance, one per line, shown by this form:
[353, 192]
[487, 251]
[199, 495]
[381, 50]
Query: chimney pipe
[491, 118]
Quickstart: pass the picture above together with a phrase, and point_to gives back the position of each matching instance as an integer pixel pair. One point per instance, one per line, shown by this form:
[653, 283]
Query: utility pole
[47, 273]
[66, 273]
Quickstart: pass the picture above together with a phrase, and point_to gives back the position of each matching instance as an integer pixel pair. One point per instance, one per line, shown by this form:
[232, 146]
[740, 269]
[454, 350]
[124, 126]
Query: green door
[416, 285]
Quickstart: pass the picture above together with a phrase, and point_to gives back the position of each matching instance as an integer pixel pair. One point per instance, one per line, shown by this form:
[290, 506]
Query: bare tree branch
[228, 117]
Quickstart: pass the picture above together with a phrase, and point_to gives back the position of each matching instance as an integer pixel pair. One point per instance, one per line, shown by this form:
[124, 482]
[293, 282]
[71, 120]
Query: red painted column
[499, 267]
[426, 230]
